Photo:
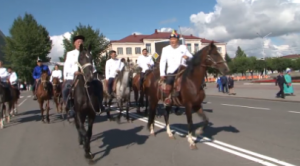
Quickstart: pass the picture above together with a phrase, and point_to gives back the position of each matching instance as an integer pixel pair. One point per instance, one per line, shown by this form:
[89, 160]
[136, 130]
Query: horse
[85, 100]
[188, 82]
[15, 95]
[57, 94]
[5, 100]
[43, 94]
[123, 90]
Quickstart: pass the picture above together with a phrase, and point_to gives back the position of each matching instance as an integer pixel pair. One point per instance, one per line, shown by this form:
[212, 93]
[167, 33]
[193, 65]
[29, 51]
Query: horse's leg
[188, 112]
[76, 120]
[7, 111]
[48, 110]
[152, 112]
[88, 137]
[166, 116]
[136, 96]
[146, 105]
[108, 110]
[1, 116]
[127, 109]
[41, 103]
[120, 105]
[201, 113]
[55, 99]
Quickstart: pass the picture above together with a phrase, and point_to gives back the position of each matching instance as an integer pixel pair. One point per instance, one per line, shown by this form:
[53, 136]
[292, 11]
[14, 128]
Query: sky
[235, 22]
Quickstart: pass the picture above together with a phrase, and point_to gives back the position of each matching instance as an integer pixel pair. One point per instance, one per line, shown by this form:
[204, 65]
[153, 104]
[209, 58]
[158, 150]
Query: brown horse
[139, 94]
[15, 95]
[57, 89]
[43, 95]
[188, 83]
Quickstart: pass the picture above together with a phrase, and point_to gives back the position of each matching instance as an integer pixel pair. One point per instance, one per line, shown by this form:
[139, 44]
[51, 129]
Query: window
[220, 49]
[148, 46]
[137, 50]
[196, 47]
[128, 51]
[189, 47]
[120, 51]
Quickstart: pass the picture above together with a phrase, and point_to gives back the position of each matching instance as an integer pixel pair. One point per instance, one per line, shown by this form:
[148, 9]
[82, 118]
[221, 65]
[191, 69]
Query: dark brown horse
[15, 96]
[188, 83]
[57, 94]
[43, 95]
[139, 94]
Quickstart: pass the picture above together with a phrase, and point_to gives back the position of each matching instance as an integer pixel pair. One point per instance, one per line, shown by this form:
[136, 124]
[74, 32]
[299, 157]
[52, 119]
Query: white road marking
[22, 102]
[21, 97]
[259, 158]
[296, 112]
[29, 96]
[258, 108]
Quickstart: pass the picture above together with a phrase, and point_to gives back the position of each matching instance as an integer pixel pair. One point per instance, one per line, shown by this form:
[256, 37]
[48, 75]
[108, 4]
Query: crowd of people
[225, 84]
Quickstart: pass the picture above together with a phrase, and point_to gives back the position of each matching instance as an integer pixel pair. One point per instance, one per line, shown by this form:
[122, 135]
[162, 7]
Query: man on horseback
[4, 77]
[112, 67]
[13, 78]
[71, 69]
[174, 55]
[37, 72]
[145, 62]
[56, 73]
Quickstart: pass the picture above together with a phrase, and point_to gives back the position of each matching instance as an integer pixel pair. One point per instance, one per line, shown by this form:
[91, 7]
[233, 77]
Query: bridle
[209, 58]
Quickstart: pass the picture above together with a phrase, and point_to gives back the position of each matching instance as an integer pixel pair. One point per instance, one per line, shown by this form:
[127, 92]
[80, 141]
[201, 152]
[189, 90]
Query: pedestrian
[288, 88]
[231, 85]
[224, 82]
[219, 84]
[280, 81]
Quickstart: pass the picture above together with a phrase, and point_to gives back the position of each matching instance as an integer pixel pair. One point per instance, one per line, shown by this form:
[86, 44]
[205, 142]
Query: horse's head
[214, 59]
[55, 83]
[85, 61]
[128, 68]
[44, 78]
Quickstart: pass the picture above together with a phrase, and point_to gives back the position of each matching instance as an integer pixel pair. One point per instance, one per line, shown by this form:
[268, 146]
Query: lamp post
[263, 42]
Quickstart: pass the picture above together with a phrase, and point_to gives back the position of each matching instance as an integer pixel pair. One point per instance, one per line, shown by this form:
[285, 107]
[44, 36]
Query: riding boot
[168, 100]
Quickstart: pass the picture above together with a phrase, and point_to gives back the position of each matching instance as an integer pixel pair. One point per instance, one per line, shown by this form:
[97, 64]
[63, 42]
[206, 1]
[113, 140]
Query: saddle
[177, 82]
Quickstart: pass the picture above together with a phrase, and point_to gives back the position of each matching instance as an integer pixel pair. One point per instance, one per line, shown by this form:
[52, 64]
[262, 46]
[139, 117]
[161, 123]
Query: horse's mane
[192, 63]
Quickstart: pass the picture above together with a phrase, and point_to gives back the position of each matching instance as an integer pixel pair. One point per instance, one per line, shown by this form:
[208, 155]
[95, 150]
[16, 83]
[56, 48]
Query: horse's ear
[212, 43]
[81, 48]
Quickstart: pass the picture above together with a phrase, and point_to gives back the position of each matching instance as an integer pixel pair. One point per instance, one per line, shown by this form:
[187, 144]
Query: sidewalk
[263, 92]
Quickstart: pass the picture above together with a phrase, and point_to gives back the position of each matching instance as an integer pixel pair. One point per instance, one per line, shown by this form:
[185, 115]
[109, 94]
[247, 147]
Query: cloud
[57, 46]
[238, 23]
[168, 21]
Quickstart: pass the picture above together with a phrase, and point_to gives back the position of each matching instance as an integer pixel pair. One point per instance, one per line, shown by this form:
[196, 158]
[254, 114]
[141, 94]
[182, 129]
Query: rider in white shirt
[112, 67]
[145, 62]
[4, 76]
[174, 55]
[56, 73]
[13, 78]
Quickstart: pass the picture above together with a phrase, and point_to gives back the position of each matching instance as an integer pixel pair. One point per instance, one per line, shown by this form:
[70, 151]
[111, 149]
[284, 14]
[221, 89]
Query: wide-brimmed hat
[78, 36]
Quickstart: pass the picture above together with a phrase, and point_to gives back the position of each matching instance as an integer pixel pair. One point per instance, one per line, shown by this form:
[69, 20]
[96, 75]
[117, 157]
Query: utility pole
[263, 41]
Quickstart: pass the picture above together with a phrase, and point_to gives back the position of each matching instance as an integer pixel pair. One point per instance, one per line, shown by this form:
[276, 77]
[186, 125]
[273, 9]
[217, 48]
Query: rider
[37, 72]
[4, 76]
[71, 69]
[174, 55]
[112, 67]
[56, 73]
[13, 78]
[145, 62]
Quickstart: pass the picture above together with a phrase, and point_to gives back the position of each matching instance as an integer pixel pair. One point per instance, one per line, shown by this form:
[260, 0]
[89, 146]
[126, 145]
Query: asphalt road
[242, 132]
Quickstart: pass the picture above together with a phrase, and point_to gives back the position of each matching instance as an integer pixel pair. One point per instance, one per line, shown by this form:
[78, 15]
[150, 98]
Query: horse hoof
[193, 147]
[198, 132]
[172, 137]
[89, 156]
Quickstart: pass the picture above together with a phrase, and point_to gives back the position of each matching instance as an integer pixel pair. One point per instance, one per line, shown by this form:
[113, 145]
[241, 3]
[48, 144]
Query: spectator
[224, 82]
[231, 85]
[280, 81]
[288, 88]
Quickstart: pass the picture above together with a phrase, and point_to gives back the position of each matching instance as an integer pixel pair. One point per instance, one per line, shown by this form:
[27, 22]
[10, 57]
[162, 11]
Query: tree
[260, 65]
[296, 64]
[240, 65]
[27, 41]
[240, 52]
[92, 37]
[227, 58]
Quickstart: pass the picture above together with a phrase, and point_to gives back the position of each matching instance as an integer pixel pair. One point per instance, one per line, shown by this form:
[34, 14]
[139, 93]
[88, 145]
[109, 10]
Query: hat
[38, 59]
[288, 70]
[174, 35]
[78, 37]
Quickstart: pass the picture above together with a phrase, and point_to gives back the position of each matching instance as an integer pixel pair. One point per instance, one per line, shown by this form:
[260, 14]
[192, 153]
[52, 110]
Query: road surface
[245, 132]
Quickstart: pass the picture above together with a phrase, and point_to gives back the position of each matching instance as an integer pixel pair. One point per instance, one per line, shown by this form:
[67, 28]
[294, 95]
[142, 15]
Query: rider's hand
[162, 77]
[36, 80]
[185, 57]
[77, 72]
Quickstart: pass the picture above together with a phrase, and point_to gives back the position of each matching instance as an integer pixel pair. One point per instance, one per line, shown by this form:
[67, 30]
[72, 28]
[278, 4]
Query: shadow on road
[115, 138]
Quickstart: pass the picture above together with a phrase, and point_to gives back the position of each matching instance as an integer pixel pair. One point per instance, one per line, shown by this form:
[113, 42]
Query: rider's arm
[121, 66]
[139, 62]
[162, 63]
[13, 77]
[66, 66]
[49, 72]
[34, 74]
[187, 53]
[107, 70]
[151, 61]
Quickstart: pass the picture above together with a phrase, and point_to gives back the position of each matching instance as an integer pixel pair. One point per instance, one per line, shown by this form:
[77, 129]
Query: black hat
[78, 37]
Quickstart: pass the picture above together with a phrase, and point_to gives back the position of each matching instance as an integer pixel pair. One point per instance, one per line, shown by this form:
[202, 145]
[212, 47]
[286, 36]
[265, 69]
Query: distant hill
[2, 43]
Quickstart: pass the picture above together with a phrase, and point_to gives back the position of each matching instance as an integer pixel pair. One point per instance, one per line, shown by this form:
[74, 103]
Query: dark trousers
[66, 87]
[225, 88]
[110, 85]
[142, 77]
[7, 90]
[280, 93]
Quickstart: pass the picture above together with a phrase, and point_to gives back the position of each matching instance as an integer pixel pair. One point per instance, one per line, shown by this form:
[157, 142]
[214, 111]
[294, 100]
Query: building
[292, 57]
[132, 45]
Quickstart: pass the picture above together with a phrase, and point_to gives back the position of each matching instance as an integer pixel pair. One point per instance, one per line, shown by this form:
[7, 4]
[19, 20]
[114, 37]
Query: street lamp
[263, 41]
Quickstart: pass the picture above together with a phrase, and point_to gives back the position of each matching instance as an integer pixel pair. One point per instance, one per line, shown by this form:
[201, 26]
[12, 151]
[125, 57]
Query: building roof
[292, 56]
[134, 38]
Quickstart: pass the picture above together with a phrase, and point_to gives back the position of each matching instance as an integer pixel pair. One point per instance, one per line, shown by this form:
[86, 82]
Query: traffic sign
[155, 55]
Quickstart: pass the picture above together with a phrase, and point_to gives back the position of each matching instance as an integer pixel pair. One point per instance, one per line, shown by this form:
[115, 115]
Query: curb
[266, 83]
[256, 98]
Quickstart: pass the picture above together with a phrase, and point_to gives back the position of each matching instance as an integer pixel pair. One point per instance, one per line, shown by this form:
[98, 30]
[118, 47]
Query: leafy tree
[2, 44]
[92, 37]
[280, 64]
[241, 64]
[240, 52]
[252, 64]
[296, 64]
[103, 60]
[227, 58]
[260, 65]
[27, 41]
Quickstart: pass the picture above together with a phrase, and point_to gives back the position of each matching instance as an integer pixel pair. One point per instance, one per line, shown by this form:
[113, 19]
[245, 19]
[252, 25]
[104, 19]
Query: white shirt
[143, 62]
[3, 74]
[111, 67]
[173, 56]
[56, 73]
[13, 78]
[70, 65]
